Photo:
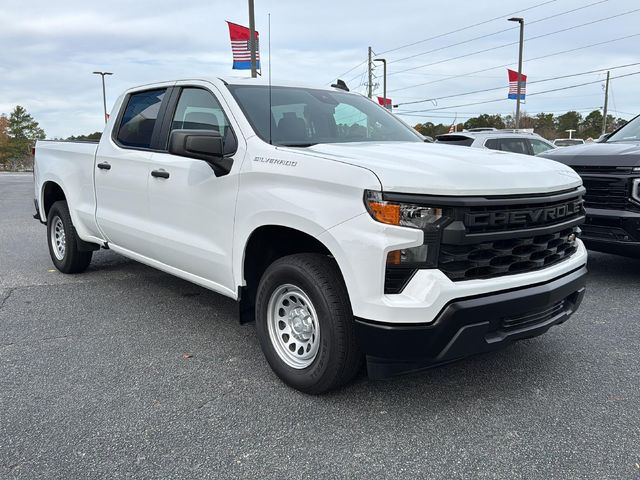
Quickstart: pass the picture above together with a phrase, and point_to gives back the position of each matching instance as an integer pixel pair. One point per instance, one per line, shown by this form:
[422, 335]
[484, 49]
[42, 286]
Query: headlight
[402, 214]
[635, 189]
[402, 264]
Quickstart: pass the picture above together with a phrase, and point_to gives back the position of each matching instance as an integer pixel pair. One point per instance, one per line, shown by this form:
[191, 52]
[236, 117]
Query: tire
[62, 239]
[305, 323]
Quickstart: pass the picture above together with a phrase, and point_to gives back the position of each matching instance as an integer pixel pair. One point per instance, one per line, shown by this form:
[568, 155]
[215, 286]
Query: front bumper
[360, 247]
[612, 231]
[470, 326]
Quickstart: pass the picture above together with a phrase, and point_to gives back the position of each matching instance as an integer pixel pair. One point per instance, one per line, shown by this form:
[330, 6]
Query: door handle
[160, 174]
[104, 166]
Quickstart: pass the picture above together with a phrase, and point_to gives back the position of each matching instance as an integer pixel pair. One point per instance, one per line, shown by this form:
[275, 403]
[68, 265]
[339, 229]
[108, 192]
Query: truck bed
[69, 163]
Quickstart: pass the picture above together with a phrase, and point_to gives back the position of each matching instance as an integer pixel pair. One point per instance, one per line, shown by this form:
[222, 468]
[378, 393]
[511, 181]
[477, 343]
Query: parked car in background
[568, 142]
[610, 170]
[510, 140]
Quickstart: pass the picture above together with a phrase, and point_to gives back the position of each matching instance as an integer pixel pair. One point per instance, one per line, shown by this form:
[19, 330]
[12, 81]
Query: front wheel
[305, 323]
[63, 241]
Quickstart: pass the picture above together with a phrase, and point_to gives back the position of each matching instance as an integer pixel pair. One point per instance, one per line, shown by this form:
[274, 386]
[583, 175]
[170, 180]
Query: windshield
[567, 142]
[303, 116]
[629, 133]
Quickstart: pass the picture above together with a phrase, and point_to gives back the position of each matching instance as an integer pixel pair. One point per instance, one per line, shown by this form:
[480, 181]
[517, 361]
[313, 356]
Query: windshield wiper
[301, 144]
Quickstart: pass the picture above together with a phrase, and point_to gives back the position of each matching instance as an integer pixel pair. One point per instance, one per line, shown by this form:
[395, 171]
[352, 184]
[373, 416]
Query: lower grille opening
[532, 318]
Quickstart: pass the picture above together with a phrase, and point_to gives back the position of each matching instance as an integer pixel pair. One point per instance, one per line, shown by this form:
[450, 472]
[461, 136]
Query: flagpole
[252, 32]
[521, 22]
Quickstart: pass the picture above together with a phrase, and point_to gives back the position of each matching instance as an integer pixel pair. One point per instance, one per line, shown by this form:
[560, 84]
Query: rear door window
[493, 144]
[139, 118]
[455, 140]
[515, 145]
[538, 146]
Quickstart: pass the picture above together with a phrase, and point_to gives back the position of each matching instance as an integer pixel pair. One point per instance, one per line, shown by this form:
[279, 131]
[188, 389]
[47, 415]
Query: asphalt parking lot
[125, 371]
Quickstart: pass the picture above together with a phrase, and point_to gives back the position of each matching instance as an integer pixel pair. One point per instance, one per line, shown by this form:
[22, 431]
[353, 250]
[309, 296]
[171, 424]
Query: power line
[497, 32]
[582, 84]
[359, 74]
[433, 74]
[625, 113]
[445, 114]
[466, 28]
[510, 64]
[530, 95]
[448, 33]
[515, 43]
[456, 106]
[530, 83]
[470, 115]
[348, 71]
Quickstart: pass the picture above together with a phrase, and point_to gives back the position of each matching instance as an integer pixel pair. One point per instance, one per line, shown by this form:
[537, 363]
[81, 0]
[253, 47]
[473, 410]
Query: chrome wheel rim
[58, 240]
[293, 326]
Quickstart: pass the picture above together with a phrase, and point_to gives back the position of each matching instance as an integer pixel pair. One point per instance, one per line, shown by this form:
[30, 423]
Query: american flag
[385, 102]
[513, 85]
[241, 47]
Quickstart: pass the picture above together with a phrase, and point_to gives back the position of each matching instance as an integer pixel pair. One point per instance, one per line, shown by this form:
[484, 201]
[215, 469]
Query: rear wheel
[305, 323]
[63, 241]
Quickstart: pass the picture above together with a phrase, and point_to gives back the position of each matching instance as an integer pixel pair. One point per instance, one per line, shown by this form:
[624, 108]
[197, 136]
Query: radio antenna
[269, 59]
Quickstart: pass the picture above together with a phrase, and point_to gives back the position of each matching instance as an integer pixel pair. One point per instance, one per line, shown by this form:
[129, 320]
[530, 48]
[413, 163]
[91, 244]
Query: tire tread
[75, 261]
[327, 277]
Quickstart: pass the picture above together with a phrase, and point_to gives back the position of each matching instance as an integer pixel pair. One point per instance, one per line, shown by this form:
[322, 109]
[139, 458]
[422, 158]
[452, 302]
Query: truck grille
[607, 187]
[602, 169]
[503, 257]
[495, 236]
[606, 192]
[553, 213]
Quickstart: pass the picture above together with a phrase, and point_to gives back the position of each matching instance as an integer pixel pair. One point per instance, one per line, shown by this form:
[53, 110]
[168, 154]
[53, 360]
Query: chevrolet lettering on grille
[529, 216]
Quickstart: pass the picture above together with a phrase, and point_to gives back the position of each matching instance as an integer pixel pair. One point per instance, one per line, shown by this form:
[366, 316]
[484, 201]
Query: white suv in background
[511, 140]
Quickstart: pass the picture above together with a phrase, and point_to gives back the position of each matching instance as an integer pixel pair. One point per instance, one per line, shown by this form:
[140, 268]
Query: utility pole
[520, 20]
[606, 104]
[384, 88]
[104, 93]
[370, 68]
[252, 30]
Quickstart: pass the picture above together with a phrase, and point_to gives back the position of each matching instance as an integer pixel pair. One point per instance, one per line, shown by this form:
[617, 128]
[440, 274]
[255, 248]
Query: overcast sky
[49, 49]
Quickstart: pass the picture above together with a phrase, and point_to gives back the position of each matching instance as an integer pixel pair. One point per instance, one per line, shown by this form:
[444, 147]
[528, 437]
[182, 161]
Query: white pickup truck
[336, 228]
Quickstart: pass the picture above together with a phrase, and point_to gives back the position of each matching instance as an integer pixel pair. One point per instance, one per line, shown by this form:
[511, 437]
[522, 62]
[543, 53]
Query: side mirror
[428, 139]
[204, 145]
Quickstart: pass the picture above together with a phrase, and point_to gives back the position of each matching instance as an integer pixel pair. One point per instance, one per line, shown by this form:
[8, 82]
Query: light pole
[384, 80]
[104, 93]
[520, 20]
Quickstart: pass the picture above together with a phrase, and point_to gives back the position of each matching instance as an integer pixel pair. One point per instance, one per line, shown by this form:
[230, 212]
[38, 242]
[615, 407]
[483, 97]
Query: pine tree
[22, 132]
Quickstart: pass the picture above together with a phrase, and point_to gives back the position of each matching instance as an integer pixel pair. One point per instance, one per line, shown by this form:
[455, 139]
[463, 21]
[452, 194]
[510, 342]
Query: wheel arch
[264, 245]
[51, 192]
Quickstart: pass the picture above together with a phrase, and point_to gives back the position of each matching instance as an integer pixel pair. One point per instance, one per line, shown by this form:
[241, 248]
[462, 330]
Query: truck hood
[615, 154]
[428, 168]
